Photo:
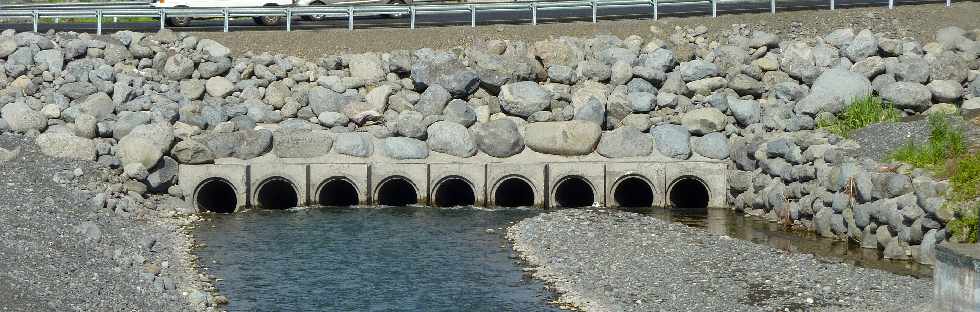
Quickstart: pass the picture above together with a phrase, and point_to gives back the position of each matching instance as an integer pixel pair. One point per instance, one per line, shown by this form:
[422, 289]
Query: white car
[261, 20]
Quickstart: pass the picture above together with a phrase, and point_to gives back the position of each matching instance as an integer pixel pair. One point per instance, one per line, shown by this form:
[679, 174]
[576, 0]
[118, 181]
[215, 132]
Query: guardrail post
[350, 18]
[534, 13]
[949, 3]
[115, 19]
[472, 16]
[289, 19]
[34, 19]
[57, 20]
[891, 4]
[411, 12]
[224, 13]
[595, 8]
[163, 18]
[655, 8]
[772, 7]
[832, 6]
[98, 22]
[714, 8]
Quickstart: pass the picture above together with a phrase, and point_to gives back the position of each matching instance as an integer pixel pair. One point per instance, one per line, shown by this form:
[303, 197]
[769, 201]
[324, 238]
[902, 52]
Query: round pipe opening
[397, 192]
[688, 192]
[277, 194]
[573, 192]
[216, 195]
[513, 192]
[338, 193]
[633, 192]
[453, 192]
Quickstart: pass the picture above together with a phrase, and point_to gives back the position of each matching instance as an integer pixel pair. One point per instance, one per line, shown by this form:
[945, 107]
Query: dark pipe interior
[277, 194]
[633, 192]
[514, 192]
[397, 192]
[217, 196]
[689, 193]
[574, 192]
[453, 193]
[338, 193]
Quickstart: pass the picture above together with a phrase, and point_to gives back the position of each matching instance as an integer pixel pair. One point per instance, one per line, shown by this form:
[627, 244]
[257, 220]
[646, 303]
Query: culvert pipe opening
[338, 193]
[514, 192]
[633, 192]
[453, 192]
[397, 192]
[276, 194]
[574, 192]
[689, 192]
[216, 195]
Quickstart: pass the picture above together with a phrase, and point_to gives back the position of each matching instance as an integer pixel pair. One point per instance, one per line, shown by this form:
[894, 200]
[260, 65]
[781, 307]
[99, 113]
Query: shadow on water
[732, 224]
[369, 259]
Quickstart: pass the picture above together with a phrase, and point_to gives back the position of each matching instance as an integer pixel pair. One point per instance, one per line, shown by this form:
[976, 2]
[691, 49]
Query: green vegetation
[945, 144]
[964, 227]
[862, 112]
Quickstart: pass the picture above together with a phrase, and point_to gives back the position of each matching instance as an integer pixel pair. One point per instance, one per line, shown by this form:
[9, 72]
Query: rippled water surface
[377, 259]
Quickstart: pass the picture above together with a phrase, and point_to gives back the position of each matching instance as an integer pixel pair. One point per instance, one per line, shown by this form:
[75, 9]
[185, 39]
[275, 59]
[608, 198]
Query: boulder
[367, 66]
[301, 143]
[833, 91]
[219, 86]
[66, 145]
[405, 148]
[451, 74]
[746, 112]
[353, 144]
[98, 105]
[192, 152]
[624, 142]
[498, 138]
[672, 140]
[566, 138]
[908, 95]
[451, 138]
[524, 98]
[433, 100]
[713, 145]
[138, 150]
[411, 124]
[704, 120]
[20, 117]
[178, 67]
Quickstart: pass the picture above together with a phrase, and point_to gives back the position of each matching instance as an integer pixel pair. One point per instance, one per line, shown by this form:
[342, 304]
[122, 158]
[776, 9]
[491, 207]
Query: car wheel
[315, 18]
[182, 21]
[268, 20]
[396, 15]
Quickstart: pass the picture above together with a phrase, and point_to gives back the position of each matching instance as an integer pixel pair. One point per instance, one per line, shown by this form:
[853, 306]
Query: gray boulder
[219, 86]
[863, 45]
[353, 144]
[66, 145]
[746, 112]
[192, 152]
[98, 105]
[20, 117]
[833, 91]
[301, 143]
[908, 95]
[712, 145]
[704, 120]
[460, 112]
[672, 140]
[451, 74]
[178, 67]
[405, 148]
[624, 142]
[945, 91]
[524, 98]
[566, 138]
[451, 138]
[433, 100]
[697, 69]
[498, 138]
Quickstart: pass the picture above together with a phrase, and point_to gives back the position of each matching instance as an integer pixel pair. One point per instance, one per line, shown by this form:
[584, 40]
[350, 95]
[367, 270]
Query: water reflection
[732, 224]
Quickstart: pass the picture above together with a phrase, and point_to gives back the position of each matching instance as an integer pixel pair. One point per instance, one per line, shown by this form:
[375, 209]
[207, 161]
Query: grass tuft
[945, 143]
[862, 112]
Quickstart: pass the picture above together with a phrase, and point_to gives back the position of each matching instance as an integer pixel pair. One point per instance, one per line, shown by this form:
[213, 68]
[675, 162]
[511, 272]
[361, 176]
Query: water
[371, 259]
[727, 222]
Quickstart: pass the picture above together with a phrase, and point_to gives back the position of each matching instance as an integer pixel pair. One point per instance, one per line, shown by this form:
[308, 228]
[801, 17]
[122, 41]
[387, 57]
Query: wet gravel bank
[602, 260]
[59, 254]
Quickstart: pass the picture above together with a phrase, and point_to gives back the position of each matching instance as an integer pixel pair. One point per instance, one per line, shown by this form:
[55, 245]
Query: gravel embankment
[879, 140]
[58, 254]
[916, 21]
[617, 261]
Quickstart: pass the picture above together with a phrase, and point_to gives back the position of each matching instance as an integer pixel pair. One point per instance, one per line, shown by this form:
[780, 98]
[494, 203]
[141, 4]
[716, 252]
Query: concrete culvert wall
[513, 192]
[633, 192]
[453, 192]
[277, 193]
[216, 195]
[338, 193]
[688, 192]
[397, 192]
[574, 192]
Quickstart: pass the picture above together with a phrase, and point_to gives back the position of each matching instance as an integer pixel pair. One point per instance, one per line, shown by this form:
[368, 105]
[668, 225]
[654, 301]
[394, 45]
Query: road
[482, 17]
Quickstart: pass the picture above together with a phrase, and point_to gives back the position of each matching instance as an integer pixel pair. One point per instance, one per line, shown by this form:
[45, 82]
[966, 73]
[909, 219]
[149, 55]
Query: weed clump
[862, 112]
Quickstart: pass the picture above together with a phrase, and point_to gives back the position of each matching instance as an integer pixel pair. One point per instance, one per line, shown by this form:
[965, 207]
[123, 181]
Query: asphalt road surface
[482, 17]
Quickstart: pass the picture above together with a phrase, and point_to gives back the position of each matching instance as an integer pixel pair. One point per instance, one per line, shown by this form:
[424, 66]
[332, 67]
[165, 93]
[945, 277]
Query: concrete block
[507, 184]
[475, 175]
[569, 184]
[417, 175]
[273, 175]
[713, 176]
[957, 288]
[355, 174]
[194, 178]
[623, 179]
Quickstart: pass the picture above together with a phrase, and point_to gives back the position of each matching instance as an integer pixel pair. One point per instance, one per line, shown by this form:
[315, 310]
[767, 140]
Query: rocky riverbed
[602, 260]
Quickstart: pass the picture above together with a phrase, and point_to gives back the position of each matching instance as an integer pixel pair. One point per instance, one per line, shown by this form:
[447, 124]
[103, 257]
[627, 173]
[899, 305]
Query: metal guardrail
[78, 5]
[94, 10]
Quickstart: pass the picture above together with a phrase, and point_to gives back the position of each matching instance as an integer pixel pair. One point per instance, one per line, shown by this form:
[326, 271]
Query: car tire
[268, 20]
[396, 15]
[181, 21]
[314, 18]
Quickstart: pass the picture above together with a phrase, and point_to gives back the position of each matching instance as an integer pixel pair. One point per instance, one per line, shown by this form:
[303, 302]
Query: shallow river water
[425, 259]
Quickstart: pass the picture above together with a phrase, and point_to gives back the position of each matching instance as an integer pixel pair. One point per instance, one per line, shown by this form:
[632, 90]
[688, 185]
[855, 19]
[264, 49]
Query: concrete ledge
[191, 177]
[654, 174]
[355, 174]
[532, 174]
[957, 287]
[294, 174]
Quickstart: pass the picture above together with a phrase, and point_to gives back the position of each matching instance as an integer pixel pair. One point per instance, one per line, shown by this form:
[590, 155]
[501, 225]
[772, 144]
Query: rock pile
[146, 103]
